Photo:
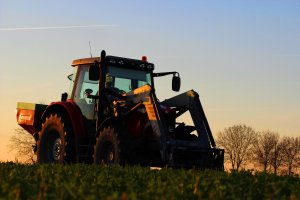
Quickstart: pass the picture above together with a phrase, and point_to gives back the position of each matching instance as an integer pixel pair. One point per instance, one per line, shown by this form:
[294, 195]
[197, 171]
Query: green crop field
[19, 181]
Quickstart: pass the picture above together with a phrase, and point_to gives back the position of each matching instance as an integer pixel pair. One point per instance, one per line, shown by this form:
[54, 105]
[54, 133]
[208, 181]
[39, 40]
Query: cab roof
[117, 61]
[84, 61]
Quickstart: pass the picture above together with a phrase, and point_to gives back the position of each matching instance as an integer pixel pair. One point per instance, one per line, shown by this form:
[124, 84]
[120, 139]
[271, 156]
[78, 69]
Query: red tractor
[112, 115]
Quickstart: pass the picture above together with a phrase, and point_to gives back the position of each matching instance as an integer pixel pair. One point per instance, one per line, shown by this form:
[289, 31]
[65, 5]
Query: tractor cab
[121, 76]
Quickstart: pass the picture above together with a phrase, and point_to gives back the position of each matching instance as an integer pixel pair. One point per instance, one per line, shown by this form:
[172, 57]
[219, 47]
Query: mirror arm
[164, 74]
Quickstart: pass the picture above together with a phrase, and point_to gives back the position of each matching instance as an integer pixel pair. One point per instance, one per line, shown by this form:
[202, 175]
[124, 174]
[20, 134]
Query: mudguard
[73, 112]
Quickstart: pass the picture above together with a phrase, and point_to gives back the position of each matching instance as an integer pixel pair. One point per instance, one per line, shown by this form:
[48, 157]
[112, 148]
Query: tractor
[111, 115]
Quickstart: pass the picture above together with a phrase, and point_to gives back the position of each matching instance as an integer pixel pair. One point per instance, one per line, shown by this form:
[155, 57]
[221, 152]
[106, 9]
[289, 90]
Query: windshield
[126, 79]
[123, 79]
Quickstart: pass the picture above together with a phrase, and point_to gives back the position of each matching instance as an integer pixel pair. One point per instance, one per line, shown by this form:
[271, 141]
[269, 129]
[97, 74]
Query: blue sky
[243, 57]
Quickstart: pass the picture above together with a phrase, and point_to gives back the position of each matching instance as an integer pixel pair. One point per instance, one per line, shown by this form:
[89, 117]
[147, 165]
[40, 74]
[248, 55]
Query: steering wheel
[87, 92]
[116, 92]
[122, 92]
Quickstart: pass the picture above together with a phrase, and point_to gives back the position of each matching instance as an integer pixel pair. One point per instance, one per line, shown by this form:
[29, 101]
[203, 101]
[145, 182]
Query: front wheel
[107, 148]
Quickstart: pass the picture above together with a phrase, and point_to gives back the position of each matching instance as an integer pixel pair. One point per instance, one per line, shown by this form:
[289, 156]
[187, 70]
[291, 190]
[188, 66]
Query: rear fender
[72, 111]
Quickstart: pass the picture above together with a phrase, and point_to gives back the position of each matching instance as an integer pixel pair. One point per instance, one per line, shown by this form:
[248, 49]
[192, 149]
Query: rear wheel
[55, 144]
[107, 148]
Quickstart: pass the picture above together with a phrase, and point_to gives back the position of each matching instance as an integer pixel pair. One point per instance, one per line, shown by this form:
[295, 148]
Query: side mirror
[94, 72]
[176, 82]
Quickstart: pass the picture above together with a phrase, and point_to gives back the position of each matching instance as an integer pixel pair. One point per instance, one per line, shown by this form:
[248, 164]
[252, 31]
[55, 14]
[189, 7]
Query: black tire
[107, 148]
[55, 144]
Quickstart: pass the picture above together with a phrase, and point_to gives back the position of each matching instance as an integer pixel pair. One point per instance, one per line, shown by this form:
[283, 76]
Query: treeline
[246, 148]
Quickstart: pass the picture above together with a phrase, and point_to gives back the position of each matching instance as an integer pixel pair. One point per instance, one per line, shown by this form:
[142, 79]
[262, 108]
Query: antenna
[90, 49]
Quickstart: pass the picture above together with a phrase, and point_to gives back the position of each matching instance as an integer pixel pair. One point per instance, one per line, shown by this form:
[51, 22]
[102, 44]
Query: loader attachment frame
[190, 101]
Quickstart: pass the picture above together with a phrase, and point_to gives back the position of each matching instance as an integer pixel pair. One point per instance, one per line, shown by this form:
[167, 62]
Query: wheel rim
[111, 156]
[108, 153]
[56, 149]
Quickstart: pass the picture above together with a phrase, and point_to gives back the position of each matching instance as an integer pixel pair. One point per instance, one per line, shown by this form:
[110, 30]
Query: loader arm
[190, 101]
[146, 96]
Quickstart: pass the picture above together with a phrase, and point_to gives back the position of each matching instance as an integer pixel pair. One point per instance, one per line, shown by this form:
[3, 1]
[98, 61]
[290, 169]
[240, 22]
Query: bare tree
[238, 142]
[277, 156]
[297, 165]
[264, 148]
[22, 143]
[291, 152]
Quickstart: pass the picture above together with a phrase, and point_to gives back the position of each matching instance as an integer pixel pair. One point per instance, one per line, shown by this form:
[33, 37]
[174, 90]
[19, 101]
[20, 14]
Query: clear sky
[242, 57]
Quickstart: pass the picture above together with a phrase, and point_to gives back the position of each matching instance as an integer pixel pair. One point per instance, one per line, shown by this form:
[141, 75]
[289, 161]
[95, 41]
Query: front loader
[112, 115]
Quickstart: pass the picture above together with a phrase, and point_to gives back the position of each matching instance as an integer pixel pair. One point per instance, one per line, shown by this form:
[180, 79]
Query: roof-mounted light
[144, 59]
[112, 61]
[142, 66]
[150, 67]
